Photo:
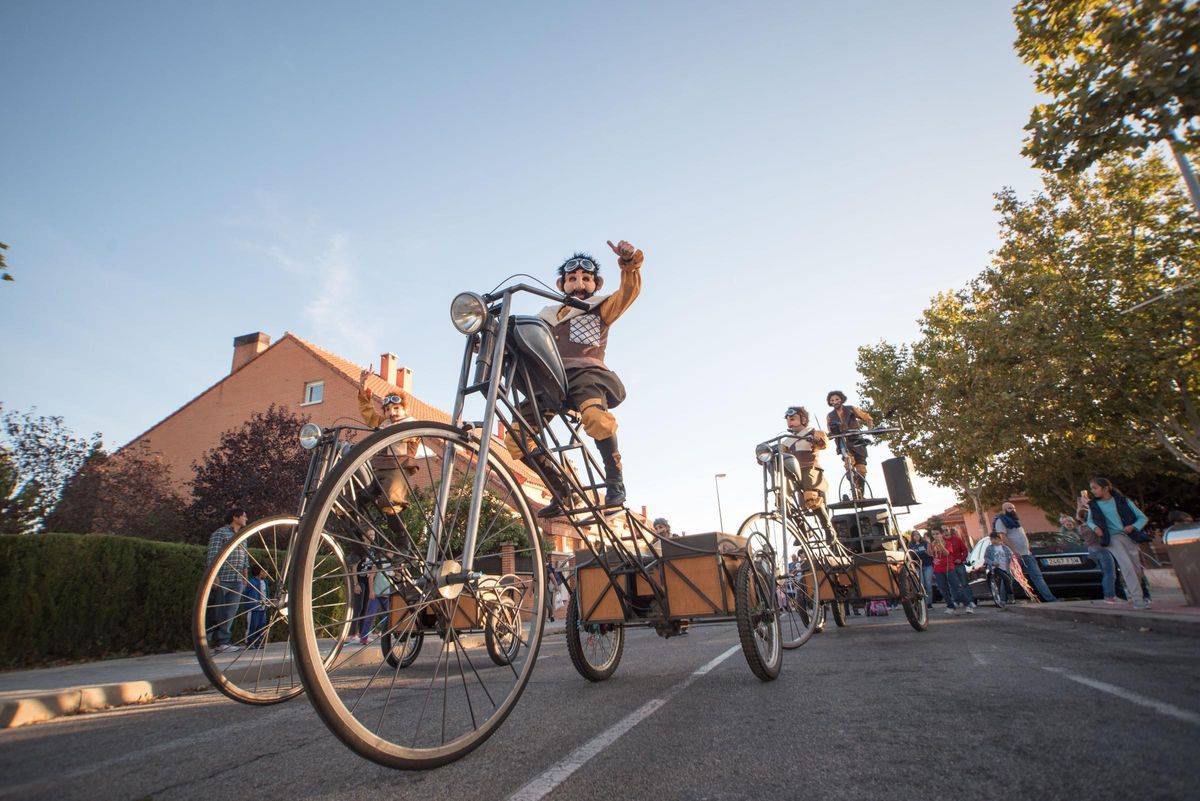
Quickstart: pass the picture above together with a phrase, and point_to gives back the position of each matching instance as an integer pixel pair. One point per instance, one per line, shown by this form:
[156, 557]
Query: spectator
[944, 575]
[227, 589]
[1103, 558]
[998, 557]
[1009, 526]
[958, 552]
[1115, 519]
[554, 580]
[257, 592]
[380, 590]
[662, 528]
[920, 546]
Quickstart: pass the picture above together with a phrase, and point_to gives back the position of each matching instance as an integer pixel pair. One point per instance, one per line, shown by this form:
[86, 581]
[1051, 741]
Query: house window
[314, 392]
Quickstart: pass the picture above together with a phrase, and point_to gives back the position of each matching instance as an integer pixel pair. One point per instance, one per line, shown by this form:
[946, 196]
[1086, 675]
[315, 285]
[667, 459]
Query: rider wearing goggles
[582, 336]
[804, 444]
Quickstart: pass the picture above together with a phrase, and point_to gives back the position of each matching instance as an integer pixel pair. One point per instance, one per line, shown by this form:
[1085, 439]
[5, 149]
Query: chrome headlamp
[467, 312]
[763, 453]
[310, 435]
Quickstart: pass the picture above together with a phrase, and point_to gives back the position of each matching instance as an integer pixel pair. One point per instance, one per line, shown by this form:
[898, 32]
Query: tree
[1032, 378]
[17, 503]
[259, 466]
[129, 493]
[1122, 74]
[4, 274]
[44, 453]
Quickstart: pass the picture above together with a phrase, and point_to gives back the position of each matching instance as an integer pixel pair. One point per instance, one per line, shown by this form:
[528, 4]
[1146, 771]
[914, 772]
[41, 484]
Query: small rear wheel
[401, 650]
[503, 628]
[241, 631]
[855, 487]
[912, 595]
[838, 609]
[595, 648]
[758, 615]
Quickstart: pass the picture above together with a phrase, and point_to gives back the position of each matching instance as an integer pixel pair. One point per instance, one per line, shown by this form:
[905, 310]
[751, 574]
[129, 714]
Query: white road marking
[557, 773]
[1163, 708]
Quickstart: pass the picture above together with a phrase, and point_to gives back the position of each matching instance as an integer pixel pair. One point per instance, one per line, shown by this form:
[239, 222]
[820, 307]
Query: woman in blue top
[1114, 517]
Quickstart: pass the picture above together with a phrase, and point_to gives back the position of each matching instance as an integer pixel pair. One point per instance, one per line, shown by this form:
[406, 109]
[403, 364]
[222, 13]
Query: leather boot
[560, 492]
[614, 485]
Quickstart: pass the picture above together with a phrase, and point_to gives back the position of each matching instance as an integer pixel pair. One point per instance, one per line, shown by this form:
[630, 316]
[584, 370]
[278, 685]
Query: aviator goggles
[391, 399]
[571, 265]
[794, 410]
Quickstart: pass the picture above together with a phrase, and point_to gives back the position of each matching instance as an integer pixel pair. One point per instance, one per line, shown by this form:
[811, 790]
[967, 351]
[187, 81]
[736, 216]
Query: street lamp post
[717, 484]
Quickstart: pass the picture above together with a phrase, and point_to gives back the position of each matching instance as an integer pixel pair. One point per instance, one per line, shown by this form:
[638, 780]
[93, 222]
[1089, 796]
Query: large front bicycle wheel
[399, 503]
[240, 630]
[794, 572]
[757, 612]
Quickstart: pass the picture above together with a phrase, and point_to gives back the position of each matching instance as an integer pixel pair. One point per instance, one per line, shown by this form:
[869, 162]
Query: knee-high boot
[614, 484]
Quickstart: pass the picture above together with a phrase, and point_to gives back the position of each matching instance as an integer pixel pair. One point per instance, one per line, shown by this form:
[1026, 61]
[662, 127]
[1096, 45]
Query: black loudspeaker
[865, 535]
[898, 475]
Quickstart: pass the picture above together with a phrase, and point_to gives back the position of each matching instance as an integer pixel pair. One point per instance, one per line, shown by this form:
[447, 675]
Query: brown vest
[801, 449]
[581, 335]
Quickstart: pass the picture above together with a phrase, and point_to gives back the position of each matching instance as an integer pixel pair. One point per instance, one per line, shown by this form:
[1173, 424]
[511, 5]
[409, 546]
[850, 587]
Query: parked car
[1066, 566]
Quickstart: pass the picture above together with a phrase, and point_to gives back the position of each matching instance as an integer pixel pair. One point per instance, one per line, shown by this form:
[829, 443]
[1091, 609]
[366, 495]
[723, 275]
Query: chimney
[387, 367]
[246, 348]
[404, 379]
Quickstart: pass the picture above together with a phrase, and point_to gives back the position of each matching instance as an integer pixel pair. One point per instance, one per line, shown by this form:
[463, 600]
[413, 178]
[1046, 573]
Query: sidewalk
[1168, 614]
[30, 696]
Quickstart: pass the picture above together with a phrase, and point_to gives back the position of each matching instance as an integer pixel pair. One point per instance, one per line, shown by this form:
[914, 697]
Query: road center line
[1163, 708]
[557, 773]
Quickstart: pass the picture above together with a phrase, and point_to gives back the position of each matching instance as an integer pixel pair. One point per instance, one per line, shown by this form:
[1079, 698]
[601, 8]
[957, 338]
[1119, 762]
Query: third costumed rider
[581, 336]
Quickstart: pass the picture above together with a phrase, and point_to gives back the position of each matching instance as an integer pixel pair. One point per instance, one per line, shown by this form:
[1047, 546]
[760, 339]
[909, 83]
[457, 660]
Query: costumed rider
[842, 419]
[582, 335]
[394, 465]
[805, 443]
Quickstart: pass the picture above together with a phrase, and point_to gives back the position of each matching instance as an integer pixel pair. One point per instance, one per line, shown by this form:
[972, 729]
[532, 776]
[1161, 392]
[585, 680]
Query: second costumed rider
[581, 336]
[805, 443]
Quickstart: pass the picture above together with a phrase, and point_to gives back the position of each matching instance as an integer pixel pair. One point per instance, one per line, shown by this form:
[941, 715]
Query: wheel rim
[260, 668]
[452, 696]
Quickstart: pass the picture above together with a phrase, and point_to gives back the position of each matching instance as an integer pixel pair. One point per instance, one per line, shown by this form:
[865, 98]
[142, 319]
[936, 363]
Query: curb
[37, 706]
[40, 706]
[1141, 621]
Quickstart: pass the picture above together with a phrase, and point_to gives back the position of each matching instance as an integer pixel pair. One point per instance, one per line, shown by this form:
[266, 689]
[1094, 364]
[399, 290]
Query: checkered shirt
[233, 570]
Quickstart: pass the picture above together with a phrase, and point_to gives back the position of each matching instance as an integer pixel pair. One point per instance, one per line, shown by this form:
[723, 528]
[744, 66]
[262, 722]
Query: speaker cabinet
[897, 473]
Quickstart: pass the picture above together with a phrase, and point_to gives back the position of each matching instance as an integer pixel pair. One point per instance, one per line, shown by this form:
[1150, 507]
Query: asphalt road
[986, 706]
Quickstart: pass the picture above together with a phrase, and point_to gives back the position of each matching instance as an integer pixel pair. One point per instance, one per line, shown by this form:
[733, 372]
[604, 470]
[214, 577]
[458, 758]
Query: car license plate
[1063, 560]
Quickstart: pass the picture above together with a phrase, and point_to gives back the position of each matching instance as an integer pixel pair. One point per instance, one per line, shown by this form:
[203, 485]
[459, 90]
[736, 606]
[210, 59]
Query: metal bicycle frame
[776, 483]
[504, 381]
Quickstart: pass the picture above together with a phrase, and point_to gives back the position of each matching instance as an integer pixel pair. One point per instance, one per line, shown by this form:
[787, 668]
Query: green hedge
[73, 596]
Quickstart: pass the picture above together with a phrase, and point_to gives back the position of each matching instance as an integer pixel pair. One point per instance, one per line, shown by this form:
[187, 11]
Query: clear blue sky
[803, 177]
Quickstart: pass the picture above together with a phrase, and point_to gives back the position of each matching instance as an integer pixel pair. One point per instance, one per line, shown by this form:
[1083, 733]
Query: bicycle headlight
[310, 435]
[467, 312]
[763, 453]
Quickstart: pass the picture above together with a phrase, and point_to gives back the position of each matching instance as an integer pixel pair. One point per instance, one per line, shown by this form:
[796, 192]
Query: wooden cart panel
[696, 574]
[875, 578]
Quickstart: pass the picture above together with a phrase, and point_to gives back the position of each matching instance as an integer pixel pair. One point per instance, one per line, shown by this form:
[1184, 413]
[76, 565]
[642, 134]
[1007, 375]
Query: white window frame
[309, 388]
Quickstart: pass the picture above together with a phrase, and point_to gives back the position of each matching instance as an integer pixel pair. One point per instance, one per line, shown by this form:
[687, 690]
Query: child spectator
[998, 557]
[256, 593]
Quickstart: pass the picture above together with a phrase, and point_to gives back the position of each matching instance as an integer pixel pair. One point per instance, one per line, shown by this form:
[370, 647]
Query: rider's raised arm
[366, 410]
[861, 415]
[630, 262]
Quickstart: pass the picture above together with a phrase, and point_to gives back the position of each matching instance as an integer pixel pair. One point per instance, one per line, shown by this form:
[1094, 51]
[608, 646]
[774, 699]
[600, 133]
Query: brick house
[305, 378]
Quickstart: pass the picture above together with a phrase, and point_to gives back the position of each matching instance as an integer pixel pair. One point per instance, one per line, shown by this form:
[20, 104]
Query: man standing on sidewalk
[227, 590]
[1008, 525]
